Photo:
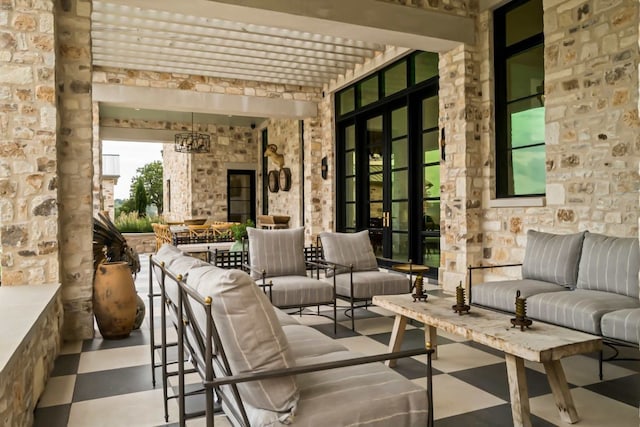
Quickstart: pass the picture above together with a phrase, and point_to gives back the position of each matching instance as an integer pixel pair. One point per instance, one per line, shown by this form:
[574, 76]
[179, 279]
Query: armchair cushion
[610, 264]
[277, 252]
[296, 291]
[349, 249]
[369, 283]
[552, 257]
[251, 335]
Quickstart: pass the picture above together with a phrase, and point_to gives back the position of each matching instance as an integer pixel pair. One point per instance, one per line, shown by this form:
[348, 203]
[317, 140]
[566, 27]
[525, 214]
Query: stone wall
[176, 190]
[28, 162]
[142, 243]
[592, 143]
[98, 200]
[75, 165]
[460, 114]
[23, 379]
[286, 135]
[203, 84]
[107, 196]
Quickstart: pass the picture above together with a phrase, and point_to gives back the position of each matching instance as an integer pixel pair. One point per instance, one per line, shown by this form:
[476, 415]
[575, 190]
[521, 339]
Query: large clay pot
[114, 300]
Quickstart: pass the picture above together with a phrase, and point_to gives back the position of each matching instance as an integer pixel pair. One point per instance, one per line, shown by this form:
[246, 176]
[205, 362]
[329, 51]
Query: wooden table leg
[561, 393]
[397, 334]
[431, 340]
[518, 391]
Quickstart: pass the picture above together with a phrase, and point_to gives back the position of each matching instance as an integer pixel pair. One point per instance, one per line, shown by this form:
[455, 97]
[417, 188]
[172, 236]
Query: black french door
[387, 174]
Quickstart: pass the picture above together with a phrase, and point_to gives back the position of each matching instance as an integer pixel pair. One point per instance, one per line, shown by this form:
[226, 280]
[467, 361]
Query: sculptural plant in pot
[239, 232]
[117, 307]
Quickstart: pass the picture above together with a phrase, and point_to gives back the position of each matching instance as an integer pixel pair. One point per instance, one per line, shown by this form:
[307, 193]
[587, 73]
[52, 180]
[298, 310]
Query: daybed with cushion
[357, 276]
[268, 370]
[584, 281]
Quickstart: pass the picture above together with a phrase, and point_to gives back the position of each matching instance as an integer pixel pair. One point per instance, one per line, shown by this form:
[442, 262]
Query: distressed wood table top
[541, 343]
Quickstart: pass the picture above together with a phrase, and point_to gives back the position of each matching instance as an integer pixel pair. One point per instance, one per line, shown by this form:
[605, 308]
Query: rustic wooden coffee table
[542, 343]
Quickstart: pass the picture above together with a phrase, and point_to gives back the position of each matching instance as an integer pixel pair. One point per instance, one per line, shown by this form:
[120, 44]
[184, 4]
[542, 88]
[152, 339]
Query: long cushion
[552, 257]
[369, 283]
[296, 291]
[277, 252]
[305, 341]
[610, 264]
[364, 395]
[349, 249]
[622, 324]
[166, 254]
[578, 309]
[502, 295]
[250, 334]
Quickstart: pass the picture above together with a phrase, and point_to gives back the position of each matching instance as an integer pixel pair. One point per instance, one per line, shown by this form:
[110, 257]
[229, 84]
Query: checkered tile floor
[108, 383]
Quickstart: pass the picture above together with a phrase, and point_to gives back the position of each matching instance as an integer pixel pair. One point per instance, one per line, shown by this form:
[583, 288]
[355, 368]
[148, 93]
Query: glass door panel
[375, 145]
[430, 242]
[398, 166]
[350, 177]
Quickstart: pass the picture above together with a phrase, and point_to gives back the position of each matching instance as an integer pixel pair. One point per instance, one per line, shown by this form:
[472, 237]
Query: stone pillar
[313, 199]
[28, 182]
[75, 165]
[461, 188]
[98, 201]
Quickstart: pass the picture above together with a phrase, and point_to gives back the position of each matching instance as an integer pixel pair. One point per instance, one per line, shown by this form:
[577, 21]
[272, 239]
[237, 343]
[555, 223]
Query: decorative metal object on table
[417, 286]
[460, 307]
[521, 313]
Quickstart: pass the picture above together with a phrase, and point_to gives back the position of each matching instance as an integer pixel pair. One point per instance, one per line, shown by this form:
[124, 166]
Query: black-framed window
[241, 195]
[519, 84]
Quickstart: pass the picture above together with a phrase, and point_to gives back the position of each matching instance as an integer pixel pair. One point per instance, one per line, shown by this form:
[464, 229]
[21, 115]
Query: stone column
[461, 188]
[313, 199]
[98, 201]
[28, 182]
[75, 165]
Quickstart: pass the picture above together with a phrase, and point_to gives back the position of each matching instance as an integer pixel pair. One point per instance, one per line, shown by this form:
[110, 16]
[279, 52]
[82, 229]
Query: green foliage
[140, 199]
[151, 177]
[133, 223]
[126, 206]
[239, 231]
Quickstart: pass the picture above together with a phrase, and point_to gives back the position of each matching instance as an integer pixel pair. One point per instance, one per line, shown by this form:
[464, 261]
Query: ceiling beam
[198, 102]
[370, 20]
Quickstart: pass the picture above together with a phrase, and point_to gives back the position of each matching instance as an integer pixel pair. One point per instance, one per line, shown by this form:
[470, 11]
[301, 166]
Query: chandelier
[192, 142]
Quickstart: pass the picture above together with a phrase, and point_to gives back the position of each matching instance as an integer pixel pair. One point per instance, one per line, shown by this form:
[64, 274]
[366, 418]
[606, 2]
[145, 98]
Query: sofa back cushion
[277, 252]
[610, 264]
[552, 258]
[250, 333]
[349, 249]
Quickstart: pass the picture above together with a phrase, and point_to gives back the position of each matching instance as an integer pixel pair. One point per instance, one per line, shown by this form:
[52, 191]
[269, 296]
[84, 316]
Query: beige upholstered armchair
[276, 261]
[357, 277]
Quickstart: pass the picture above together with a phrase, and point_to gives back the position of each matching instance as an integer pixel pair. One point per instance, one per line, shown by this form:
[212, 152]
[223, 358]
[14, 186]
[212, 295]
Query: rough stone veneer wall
[25, 376]
[75, 165]
[28, 183]
[286, 135]
[176, 189]
[460, 190]
[98, 201]
[592, 138]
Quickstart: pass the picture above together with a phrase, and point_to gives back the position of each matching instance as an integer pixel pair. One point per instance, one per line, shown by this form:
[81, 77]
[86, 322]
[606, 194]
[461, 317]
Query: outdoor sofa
[265, 368]
[584, 281]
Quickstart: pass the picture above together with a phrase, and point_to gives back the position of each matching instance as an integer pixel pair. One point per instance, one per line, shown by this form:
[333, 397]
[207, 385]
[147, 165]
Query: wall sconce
[324, 168]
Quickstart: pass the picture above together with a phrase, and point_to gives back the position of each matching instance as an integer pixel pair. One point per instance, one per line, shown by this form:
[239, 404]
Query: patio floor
[108, 383]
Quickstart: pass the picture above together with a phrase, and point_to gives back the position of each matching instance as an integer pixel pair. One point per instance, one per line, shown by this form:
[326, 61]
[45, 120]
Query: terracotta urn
[114, 299]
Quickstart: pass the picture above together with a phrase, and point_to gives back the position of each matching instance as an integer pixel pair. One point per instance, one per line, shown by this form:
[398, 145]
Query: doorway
[241, 195]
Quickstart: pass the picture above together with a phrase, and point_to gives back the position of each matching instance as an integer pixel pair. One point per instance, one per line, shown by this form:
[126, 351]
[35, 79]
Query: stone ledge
[21, 309]
[30, 328]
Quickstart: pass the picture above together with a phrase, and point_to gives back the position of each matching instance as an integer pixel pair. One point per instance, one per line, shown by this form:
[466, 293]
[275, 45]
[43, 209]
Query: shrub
[133, 223]
[239, 231]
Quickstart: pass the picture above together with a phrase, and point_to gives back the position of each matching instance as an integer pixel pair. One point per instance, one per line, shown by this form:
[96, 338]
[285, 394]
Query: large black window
[519, 77]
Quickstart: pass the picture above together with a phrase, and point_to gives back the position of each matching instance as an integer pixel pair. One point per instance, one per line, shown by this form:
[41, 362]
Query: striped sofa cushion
[552, 257]
[610, 264]
[502, 295]
[277, 252]
[349, 249]
[251, 335]
[622, 324]
[578, 309]
[369, 283]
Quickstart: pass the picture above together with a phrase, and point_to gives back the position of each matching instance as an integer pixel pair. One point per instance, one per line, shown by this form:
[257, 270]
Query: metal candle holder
[460, 307]
[419, 290]
[521, 313]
